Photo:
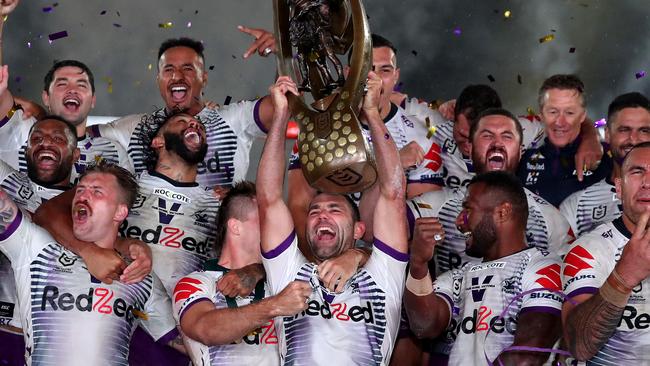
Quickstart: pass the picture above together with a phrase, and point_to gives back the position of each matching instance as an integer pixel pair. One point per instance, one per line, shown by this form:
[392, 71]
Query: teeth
[46, 155]
[66, 101]
[178, 88]
[324, 230]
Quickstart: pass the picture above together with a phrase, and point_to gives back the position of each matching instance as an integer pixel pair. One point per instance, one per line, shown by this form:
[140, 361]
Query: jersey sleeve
[244, 117]
[191, 289]
[14, 132]
[160, 322]
[447, 286]
[569, 208]
[22, 240]
[534, 133]
[123, 158]
[282, 263]
[388, 267]
[542, 285]
[559, 231]
[424, 205]
[119, 130]
[587, 264]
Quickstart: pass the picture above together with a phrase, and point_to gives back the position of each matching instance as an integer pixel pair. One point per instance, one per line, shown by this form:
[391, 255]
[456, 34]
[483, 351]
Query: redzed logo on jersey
[433, 155]
[574, 262]
[551, 277]
[185, 288]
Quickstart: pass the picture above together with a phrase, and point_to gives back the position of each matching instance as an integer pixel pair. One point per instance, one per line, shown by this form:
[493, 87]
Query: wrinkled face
[181, 79]
[477, 222]
[185, 136]
[496, 145]
[461, 134]
[384, 64]
[562, 114]
[330, 226]
[70, 95]
[50, 153]
[96, 207]
[626, 128]
[633, 188]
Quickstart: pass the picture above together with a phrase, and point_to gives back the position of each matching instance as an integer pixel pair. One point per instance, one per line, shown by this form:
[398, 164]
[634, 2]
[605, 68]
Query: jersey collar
[620, 226]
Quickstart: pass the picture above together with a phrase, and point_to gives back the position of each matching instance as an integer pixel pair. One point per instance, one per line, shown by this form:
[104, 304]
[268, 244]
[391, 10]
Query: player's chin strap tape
[528, 348]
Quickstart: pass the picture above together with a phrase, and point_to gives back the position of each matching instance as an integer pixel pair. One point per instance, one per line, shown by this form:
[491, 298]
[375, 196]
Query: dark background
[610, 38]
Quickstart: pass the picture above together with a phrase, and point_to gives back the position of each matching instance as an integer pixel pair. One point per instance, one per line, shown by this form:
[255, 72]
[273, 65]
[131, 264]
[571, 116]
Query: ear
[618, 182]
[158, 142]
[76, 153]
[94, 100]
[396, 75]
[607, 136]
[503, 213]
[46, 99]
[233, 226]
[121, 213]
[359, 229]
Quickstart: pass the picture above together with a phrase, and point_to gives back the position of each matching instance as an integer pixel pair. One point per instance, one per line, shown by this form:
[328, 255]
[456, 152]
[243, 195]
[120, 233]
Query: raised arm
[389, 217]
[275, 217]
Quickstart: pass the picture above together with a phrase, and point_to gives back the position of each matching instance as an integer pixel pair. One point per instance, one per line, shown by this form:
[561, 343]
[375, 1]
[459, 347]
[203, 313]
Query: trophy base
[355, 177]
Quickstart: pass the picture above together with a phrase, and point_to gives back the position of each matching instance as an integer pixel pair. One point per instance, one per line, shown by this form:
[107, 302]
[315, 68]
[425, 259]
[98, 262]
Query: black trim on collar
[173, 182]
[620, 226]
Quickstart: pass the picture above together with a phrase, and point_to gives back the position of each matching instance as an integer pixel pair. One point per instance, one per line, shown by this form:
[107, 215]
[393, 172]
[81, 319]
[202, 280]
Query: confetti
[530, 111]
[600, 123]
[414, 52]
[547, 38]
[18, 79]
[47, 9]
[640, 74]
[233, 57]
[431, 130]
[57, 35]
[109, 87]
[29, 44]
[189, 24]
[196, 12]
[227, 101]
[102, 12]
[165, 25]
[519, 79]
[572, 50]
[507, 14]
[118, 13]
[149, 66]
[116, 25]
[211, 67]
[457, 31]
[398, 87]
[491, 78]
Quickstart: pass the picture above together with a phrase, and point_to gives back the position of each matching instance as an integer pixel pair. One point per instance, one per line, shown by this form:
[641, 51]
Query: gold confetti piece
[547, 38]
[109, 81]
[165, 25]
[424, 205]
[140, 314]
[530, 111]
[98, 159]
[149, 67]
[431, 130]
[507, 14]
[4, 19]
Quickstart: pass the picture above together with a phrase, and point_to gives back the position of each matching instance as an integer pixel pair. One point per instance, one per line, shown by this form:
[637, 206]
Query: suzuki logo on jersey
[168, 236]
[479, 290]
[171, 195]
[100, 300]
[481, 321]
[550, 277]
[340, 312]
[575, 261]
[166, 215]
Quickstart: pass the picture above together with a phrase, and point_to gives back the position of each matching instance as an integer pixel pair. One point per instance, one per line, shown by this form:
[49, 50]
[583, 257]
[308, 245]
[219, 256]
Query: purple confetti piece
[117, 25]
[640, 74]
[47, 9]
[398, 87]
[18, 79]
[572, 50]
[600, 123]
[29, 44]
[211, 67]
[189, 24]
[227, 101]
[491, 78]
[103, 12]
[457, 31]
[57, 35]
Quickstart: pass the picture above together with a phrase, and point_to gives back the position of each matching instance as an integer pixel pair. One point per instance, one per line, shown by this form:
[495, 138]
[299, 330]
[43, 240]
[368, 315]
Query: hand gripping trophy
[335, 156]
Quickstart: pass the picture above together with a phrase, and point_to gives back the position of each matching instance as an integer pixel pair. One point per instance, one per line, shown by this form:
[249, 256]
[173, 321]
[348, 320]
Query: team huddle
[487, 238]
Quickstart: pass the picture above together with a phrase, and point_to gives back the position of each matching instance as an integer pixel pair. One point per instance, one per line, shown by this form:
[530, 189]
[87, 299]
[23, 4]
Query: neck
[237, 255]
[193, 109]
[629, 224]
[81, 128]
[384, 108]
[509, 243]
[175, 168]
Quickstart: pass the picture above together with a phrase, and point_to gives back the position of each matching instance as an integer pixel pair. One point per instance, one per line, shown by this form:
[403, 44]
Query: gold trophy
[334, 154]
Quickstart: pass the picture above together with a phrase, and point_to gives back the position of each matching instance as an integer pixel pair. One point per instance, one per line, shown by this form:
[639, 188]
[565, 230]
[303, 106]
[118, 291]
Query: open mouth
[71, 103]
[179, 92]
[325, 233]
[81, 212]
[46, 158]
[496, 160]
[192, 138]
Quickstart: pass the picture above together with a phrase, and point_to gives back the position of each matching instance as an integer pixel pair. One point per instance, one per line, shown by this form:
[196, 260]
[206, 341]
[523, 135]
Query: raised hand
[264, 42]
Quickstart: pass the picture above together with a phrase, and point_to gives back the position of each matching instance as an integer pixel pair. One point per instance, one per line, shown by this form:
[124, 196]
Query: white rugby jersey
[479, 292]
[14, 135]
[586, 266]
[260, 347]
[403, 130]
[457, 170]
[178, 221]
[71, 318]
[28, 196]
[230, 133]
[546, 228]
[592, 206]
[356, 327]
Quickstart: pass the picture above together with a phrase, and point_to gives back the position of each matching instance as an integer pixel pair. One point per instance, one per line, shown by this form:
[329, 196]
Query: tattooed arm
[8, 211]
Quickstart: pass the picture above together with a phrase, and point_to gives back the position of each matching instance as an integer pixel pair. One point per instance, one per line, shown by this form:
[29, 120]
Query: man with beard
[506, 300]
[357, 325]
[628, 124]
[67, 316]
[605, 276]
[230, 130]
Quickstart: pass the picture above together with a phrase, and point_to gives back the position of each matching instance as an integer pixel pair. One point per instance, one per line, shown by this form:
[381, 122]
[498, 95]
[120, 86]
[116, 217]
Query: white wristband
[421, 287]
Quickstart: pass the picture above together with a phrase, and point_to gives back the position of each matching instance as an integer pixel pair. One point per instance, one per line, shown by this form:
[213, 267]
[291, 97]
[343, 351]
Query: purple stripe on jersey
[94, 131]
[256, 116]
[170, 336]
[540, 309]
[447, 299]
[410, 218]
[431, 180]
[280, 248]
[583, 290]
[12, 227]
[186, 307]
[397, 255]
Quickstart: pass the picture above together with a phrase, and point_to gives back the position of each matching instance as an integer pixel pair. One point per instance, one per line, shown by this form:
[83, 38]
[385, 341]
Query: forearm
[428, 315]
[270, 173]
[590, 325]
[390, 176]
[588, 131]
